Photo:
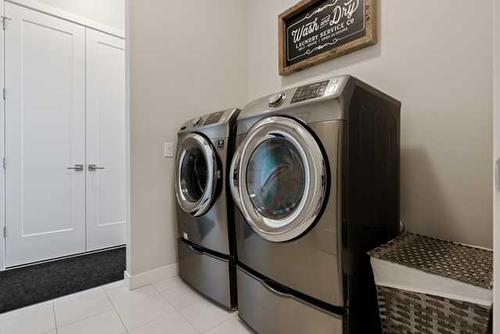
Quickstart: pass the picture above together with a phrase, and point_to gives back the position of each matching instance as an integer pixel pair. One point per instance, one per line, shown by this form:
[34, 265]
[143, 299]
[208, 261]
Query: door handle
[93, 167]
[77, 167]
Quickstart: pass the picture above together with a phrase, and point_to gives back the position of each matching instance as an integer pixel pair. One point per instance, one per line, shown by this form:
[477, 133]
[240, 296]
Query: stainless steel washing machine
[316, 179]
[204, 217]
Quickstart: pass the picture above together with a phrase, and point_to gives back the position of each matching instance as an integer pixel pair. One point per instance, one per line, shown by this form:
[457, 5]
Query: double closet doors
[64, 138]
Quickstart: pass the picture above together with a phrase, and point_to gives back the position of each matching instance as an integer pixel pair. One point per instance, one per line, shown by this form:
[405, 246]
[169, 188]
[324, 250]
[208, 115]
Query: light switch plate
[168, 150]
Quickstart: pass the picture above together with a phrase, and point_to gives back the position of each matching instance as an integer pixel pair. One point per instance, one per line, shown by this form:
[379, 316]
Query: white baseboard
[156, 275]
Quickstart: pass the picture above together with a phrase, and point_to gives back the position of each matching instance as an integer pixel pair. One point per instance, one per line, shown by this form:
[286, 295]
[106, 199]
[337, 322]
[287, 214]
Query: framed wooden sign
[314, 31]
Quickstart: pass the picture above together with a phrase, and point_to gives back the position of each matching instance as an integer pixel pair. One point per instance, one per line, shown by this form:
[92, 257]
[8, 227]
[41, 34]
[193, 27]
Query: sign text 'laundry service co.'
[314, 31]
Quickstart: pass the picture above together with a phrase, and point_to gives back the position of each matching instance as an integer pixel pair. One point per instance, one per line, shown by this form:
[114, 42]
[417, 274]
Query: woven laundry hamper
[431, 286]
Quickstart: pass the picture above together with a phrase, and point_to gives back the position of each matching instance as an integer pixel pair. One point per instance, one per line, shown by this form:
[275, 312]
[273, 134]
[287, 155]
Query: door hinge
[3, 163]
[5, 232]
[4, 93]
[4, 21]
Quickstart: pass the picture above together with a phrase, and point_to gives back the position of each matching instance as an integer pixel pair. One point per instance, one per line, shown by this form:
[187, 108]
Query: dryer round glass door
[276, 178]
[196, 174]
[280, 178]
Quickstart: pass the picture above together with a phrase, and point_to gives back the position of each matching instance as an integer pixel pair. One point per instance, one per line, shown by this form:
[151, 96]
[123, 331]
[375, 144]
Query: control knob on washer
[196, 121]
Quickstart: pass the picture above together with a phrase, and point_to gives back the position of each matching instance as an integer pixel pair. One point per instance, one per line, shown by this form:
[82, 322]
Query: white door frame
[496, 156]
[2, 137]
[128, 173]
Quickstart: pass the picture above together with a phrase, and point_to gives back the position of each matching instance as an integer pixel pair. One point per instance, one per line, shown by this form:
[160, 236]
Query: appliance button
[277, 100]
[196, 121]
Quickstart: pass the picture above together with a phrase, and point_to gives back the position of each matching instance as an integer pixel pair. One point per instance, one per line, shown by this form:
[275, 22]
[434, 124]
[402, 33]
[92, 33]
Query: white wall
[108, 12]
[496, 155]
[436, 57]
[187, 57]
[440, 68]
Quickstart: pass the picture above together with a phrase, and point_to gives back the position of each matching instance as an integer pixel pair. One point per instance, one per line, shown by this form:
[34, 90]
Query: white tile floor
[162, 308]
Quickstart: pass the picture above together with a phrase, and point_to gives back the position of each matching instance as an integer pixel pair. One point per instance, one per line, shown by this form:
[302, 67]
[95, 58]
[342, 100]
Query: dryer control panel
[311, 91]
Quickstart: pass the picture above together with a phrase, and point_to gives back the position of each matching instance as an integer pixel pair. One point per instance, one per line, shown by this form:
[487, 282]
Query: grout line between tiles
[150, 321]
[175, 310]
[201, 301]
[85, 317]
[217, 326]
[189, 322]
[55, 316]
[164, 299]
[115, 310]
[156, 289]
[179, 311]
[233, 317]
[160, 291]
[205, 300]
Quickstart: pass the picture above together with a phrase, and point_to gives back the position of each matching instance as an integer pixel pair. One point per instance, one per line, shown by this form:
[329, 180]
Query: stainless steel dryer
[206, 231]
[316, 180]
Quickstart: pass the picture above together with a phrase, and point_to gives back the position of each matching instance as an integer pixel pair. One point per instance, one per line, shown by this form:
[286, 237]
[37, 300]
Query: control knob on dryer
[277, 100]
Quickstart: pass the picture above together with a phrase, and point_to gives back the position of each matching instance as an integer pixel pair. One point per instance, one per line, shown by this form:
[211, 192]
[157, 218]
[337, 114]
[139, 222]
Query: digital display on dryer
[310, 91]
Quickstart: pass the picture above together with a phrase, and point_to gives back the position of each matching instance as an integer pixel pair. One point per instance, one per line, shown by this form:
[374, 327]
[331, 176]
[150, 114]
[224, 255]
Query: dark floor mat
[34, 284]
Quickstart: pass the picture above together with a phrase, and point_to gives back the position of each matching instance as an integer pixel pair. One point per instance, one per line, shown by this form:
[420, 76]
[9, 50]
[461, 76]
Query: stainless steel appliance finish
[287, 223]
[198, 202]
[263, 306]
[209, 273]
[205, 229]
[316, 180]
[311, 263]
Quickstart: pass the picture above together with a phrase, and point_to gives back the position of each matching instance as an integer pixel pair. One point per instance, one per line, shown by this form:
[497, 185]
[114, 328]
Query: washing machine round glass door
[196, 174]
[279, 178]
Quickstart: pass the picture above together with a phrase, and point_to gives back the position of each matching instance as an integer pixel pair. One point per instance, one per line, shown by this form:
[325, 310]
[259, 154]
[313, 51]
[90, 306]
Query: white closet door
[106, 185]
[45, 135]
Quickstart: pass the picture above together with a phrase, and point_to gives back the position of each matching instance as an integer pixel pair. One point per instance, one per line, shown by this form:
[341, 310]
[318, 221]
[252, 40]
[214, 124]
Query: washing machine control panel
[310, 91]
[214, 118]
[205, 120]
[196, 121]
